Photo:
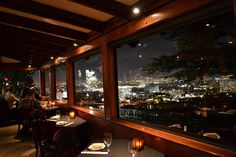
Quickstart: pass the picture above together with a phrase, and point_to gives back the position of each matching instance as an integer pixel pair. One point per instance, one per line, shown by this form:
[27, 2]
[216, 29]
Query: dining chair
[43, 132]
[65, 142]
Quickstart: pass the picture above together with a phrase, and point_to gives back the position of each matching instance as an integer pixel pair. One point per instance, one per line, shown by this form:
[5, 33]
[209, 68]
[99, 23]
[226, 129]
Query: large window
[88, 82]
[183, 79]
[47, 83]
[36, 80]
[61, 89]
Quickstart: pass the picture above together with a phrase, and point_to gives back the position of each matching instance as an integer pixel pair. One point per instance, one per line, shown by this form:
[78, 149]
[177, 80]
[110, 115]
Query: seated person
[11, 98]
[31, 104]
[35, 94]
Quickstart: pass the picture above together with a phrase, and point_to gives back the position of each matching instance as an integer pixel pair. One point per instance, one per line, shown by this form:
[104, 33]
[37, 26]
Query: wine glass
[67, 117]
[58, 114]
[107, 139]
[131, 149]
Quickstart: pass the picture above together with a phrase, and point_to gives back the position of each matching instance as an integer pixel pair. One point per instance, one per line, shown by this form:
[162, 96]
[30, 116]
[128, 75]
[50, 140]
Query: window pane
[88, 82]
[61, 82]
[36, 80]
[183, 79]
[47, 83]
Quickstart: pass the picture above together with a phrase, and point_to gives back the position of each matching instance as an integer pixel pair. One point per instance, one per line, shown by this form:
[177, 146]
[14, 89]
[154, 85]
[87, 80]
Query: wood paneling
[115, 8]
[53, 82]
[53, 13]
[70, 82]
[172, 149]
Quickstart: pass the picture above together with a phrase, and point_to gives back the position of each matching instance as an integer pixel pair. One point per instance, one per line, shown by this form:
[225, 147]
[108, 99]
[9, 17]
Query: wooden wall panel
[53, 82]
[171, 149]
[70, 82]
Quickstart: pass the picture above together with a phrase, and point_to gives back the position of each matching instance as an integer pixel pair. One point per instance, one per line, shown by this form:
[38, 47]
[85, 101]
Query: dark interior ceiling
[33, 31]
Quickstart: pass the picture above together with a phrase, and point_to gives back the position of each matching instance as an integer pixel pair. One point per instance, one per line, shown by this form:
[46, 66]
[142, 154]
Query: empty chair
[43, 132]
[65, 142]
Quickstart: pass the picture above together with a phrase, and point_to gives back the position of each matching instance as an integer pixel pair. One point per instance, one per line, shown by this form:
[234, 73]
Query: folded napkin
[94, 152]
[68, 124]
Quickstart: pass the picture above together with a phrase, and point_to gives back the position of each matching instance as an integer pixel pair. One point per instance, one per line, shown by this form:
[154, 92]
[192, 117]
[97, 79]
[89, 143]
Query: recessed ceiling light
[51, 57]
[75, 44]
[136, 10]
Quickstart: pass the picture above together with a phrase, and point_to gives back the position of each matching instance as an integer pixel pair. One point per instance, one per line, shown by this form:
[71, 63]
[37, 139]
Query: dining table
[119, 148]
[78, 124]
[66, 121]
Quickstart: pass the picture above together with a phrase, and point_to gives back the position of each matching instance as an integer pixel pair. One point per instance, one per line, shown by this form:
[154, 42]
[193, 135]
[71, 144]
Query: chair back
[65, 141]
[43, 129]
[43, 132]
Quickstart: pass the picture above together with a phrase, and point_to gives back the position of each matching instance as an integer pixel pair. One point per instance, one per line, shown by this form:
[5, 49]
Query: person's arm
[14, 97]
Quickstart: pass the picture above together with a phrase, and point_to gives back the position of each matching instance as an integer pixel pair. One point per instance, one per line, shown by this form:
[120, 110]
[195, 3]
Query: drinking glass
[68, 117]
[107, 139]
[131, 149]
[58, 114]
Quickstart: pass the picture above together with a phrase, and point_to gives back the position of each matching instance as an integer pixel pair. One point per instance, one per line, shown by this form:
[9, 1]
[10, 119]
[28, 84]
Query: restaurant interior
[144, 78]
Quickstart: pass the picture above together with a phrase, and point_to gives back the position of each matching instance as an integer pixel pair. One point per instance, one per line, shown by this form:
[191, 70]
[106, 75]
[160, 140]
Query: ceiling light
[75, 44]
[136, 10]
[51, 57]
[207, 24]
[29, 66]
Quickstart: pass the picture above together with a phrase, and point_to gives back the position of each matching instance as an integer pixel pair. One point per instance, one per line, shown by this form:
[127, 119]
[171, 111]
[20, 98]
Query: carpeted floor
[10, 146]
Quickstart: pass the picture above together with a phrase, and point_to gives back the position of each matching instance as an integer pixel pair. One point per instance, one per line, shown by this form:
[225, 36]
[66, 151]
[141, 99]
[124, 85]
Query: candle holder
[72, 114]
[138, 143]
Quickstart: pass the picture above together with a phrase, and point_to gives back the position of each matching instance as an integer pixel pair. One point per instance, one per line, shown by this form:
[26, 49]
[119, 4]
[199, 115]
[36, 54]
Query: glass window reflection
[47, 83]
[182, 79]
[61, 89]
[88, 82]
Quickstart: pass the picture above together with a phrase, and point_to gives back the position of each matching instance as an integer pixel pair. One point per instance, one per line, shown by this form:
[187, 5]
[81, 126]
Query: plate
[96, 146]
[212, 135]
[61, 122]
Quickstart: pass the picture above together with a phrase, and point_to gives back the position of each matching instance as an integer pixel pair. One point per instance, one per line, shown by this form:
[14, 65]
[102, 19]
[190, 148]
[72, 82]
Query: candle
[72, 114]
[53, 103]
[138, 143]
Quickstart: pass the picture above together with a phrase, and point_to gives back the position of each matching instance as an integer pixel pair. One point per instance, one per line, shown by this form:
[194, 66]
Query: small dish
[61, 122]
[212, 135]
[96, 146]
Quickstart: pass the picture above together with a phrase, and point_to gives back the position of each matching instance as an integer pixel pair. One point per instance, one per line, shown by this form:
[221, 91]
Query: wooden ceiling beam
[46, 11]
[28, 47]
[149, 5]
[34, 35]
[42, 26]
[24, 55]
[16, 67]
[108, 6]
[37, 61]
[24, 41]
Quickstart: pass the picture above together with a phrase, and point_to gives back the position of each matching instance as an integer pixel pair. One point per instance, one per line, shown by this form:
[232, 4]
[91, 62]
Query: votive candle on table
[138, 143]
[72, 114]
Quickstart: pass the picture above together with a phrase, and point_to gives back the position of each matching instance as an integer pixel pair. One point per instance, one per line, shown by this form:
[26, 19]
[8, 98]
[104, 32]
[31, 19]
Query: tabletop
[119, 148]
[67, 122]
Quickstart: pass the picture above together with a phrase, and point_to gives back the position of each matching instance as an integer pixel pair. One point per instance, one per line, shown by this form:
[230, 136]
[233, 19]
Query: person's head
[11, 89]
[33, 90]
